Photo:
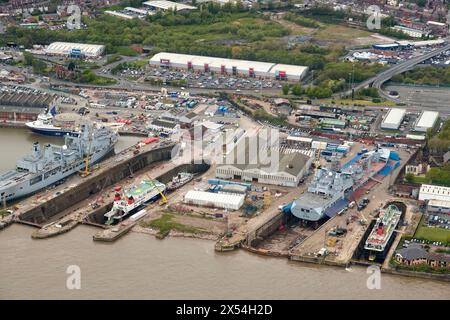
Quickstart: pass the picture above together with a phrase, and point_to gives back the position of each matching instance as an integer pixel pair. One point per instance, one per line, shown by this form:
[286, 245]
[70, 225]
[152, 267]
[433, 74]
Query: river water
[139, 266]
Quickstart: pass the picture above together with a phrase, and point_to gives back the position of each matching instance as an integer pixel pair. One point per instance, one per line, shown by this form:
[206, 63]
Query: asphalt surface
[381, 78]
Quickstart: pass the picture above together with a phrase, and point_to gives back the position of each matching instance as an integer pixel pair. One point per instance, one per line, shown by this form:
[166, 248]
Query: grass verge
[167, 222]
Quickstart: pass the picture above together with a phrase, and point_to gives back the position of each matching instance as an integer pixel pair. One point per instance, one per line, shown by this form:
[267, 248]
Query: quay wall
[268, 228]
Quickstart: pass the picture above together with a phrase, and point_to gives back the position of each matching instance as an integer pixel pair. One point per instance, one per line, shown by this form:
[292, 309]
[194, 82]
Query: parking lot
[212, 81]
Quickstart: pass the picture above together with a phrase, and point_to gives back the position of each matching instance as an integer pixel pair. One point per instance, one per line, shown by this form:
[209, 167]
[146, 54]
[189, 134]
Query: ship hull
[25, 188]
[50, 132]
[149, 198]
[319, 212]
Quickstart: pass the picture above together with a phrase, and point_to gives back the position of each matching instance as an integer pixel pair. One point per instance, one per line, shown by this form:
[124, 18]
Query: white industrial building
[393, 119]
[163, 5]
[67, 48]
[229, 66]
[415, 33]
[438, 206]
[285, 168]
[427, 120]
[217, 200]
[129, 13]
[431, 192]
[119, 14]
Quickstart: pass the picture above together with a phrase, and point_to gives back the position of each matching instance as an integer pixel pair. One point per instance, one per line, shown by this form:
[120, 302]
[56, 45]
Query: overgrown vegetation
[441, 141]
[302, 21]
[89, 77]
[166, 223]
[39, 66]
[425, 76]
[113, 58]
[4, 213]
[227, 31]
[261, 115]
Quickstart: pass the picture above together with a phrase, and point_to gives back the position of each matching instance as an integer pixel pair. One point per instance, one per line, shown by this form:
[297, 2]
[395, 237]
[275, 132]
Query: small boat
[179, 180]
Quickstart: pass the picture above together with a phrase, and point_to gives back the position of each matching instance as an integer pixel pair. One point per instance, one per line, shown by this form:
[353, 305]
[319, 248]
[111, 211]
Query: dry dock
[52, 204]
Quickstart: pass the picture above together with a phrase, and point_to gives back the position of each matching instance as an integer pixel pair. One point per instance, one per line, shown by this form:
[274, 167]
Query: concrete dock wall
[267, 229]
[97, 216]
[94, 184]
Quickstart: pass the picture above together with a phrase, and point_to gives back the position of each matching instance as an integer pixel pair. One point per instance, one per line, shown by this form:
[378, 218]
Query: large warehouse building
[393, 119]
[229, 66]
[427, 120]
[432, 192]
[163, 5]
[75, 49]
[23, 107]
[287, 168]
[216, 200]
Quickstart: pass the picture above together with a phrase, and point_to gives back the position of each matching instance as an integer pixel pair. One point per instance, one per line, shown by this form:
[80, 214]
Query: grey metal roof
[291, 163]
[413, 252]
[164, 123]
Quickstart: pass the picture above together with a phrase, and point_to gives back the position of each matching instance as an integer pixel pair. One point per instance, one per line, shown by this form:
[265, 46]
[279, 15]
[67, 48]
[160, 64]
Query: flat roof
[299, 139]
[427, 42]
[119, 14]
[290, 69]
[166, 5]
[213, 62]
[439, 203]
[440, 24]
[429, 189]
[66, 47]
[140, 11]
[217, 198]
[394, 116]
[387, 45]
[427, 119]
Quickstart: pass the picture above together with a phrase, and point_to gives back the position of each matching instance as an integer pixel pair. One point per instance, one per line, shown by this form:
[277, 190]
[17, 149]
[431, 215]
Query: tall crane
[163, 200]
[86, 172]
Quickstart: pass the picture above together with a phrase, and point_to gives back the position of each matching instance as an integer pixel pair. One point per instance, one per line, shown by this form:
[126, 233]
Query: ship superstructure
[133, 199]
[52, 163]
[383, 229]
[179, 180]
[329, 190]
[46, 124]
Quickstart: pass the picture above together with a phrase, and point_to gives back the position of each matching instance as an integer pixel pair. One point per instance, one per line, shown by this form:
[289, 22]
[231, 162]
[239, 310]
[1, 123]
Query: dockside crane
[163, 200]
[86, 172]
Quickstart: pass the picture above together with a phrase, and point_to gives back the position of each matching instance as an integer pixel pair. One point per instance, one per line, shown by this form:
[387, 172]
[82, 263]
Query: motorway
[381, 78]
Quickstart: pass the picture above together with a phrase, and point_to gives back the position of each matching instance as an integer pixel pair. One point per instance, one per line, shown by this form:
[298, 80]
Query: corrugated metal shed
[217, 200]
[393, 119]
[426, 121]
[432, 192]
[262, 69]
[65, 48]
[166, 5]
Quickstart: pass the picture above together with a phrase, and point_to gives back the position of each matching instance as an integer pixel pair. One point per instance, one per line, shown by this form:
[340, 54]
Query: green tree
[28, 58]
[285, 89]
[71, 66]
[39, 66]
[297, 90]
[409, 177]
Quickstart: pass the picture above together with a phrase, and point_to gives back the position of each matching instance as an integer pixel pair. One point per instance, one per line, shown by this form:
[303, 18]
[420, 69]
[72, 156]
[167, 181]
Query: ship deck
[382, 172]
[141, 188]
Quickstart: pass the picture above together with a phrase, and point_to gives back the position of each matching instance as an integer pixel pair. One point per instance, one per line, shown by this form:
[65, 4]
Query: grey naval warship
[329, 188]
[48, 165]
